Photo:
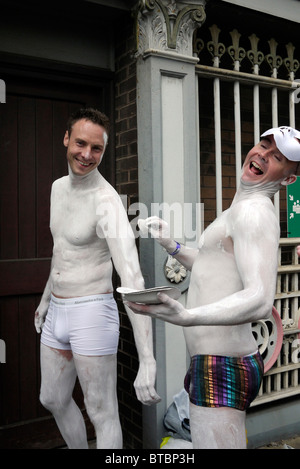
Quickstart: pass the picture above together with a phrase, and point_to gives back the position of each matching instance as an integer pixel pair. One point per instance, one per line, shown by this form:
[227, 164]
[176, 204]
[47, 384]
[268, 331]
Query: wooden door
[32, 126]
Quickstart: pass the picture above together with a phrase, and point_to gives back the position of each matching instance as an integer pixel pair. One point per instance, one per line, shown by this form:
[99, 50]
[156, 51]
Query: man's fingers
[166, 300]
[147, 396]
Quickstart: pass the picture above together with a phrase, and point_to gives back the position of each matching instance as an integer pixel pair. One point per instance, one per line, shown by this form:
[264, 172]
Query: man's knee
[51, 402]
[47, 402]
[100, 411]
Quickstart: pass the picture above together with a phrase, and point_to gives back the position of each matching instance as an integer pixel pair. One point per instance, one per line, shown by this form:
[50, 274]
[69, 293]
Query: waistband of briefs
[82, 299]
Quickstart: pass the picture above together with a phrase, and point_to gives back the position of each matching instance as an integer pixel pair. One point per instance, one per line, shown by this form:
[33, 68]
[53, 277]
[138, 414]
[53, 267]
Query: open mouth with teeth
[255, 168]
[82, 163]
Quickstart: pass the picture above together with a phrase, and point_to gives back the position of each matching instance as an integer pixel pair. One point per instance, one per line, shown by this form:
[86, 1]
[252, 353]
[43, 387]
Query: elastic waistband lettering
[82, 299]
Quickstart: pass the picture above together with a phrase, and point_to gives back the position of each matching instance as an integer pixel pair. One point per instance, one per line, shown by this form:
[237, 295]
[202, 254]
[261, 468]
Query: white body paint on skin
[82, 259]
[233, 279]
[234, 285]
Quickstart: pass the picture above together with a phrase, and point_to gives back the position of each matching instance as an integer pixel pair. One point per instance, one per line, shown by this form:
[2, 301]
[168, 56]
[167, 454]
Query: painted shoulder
[258, 204]
[106, 191]
[256, 215]
[60, 183]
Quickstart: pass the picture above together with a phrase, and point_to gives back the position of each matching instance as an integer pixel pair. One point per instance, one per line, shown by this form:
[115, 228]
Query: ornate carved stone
[168, 25]
[174, 271]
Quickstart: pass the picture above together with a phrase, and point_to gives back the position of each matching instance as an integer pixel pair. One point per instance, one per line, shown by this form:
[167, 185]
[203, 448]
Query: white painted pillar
[169, 169]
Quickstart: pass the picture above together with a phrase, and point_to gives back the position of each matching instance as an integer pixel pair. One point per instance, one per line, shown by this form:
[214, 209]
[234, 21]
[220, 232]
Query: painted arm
[42, 309]
[255, 249]
[121, 243]
[159, 230]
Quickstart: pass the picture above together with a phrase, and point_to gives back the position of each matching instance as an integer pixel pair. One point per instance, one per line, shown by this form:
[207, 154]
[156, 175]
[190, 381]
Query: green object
[293, 209]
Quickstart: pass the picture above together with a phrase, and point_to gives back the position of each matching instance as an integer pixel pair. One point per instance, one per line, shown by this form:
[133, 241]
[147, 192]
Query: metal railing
[283, 379]
[279, 337]
[238, 78]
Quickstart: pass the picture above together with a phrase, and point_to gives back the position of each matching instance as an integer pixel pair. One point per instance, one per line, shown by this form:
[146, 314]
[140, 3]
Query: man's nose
[86, 153]
[264, 154]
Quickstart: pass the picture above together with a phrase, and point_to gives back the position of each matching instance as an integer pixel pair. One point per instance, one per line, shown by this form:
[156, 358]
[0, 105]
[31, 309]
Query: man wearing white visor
[233, 279]
[287, 141]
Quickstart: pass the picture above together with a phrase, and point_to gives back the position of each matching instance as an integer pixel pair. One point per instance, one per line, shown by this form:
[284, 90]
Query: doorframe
[42, 431]
[49, 71]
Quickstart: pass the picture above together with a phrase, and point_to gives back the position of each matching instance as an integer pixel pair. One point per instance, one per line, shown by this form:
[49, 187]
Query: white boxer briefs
[86, 325]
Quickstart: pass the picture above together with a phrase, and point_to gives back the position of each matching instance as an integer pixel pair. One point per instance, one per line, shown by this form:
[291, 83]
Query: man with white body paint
[233, 278]
[80, 335]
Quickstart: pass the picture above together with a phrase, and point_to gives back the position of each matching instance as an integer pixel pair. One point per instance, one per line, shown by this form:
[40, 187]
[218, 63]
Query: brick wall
[127, 183]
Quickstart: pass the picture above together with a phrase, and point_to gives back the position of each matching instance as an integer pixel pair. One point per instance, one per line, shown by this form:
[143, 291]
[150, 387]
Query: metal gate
[244, 90]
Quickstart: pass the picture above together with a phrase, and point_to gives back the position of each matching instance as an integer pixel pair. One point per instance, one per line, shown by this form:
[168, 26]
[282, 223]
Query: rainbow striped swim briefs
[218, 381]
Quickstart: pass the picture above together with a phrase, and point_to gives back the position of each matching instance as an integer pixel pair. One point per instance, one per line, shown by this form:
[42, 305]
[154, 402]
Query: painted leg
[58, 380]
[98, 379]
[217, 428]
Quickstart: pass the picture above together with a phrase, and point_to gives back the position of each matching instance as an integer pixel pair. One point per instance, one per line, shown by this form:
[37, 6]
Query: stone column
[169, 169]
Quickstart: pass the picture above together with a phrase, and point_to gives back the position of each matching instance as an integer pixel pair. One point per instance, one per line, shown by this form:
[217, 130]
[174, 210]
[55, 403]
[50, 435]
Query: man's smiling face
[85, 146]
[265, 163]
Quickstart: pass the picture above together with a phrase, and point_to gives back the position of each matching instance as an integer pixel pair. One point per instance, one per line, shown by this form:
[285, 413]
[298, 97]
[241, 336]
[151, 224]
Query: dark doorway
[39, 100]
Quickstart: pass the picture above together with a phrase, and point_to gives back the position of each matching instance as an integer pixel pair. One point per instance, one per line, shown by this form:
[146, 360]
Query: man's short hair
[89, 114]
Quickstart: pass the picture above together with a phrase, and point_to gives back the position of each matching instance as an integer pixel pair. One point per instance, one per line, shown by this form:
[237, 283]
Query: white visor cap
[287, 141]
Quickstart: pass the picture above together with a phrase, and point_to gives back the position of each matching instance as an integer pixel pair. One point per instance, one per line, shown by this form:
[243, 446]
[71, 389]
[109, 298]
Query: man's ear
[289, 180]
[66, 139]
